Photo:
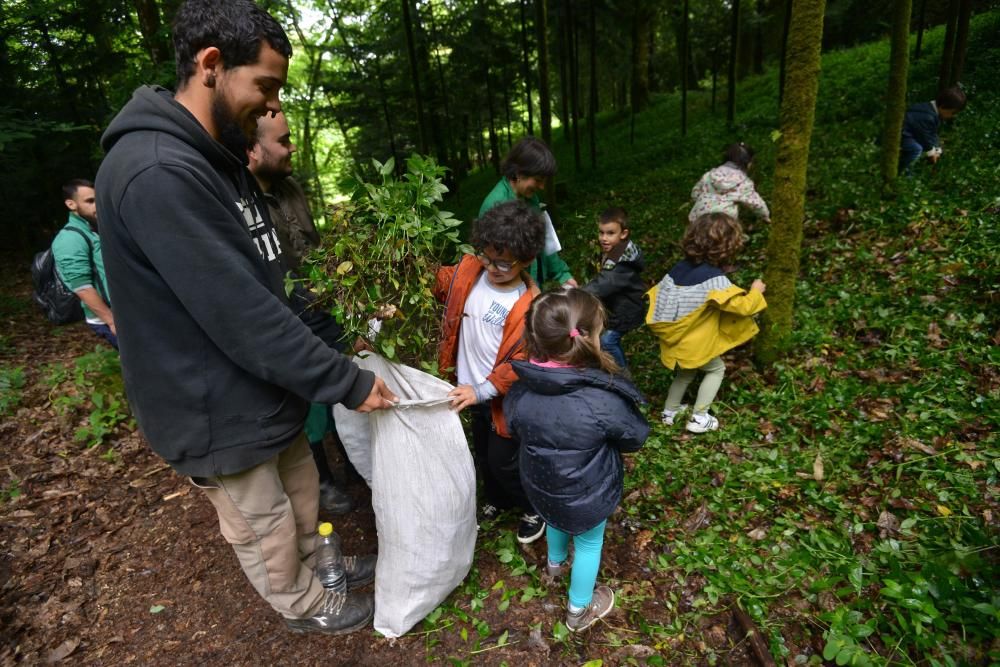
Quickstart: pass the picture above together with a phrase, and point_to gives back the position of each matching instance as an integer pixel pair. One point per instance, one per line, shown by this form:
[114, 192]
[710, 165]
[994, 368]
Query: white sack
[424, 496]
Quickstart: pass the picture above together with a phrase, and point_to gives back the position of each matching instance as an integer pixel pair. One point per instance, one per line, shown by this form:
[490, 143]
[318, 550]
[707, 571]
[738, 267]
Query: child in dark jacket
[574, 415]
[619, 285]
[921, 123]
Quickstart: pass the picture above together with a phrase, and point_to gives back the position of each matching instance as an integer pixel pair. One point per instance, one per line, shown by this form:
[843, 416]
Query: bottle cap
[325, 529]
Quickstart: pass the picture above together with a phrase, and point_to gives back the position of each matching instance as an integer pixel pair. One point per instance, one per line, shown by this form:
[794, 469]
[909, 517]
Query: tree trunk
[494, 140]
[563, 39]
[574, 82]
[544, 100]
[948, 53]
[798, 111]
[151, 28]
[592, 107]
[431, 93]
[895, 99]
[920, 29]
[449, 140]
[684, 56]
[650, 74]
[640, 56]
[715, 74]
[961, 41]
[506, 106]
[734, 43]
[782, 67]
[411, 52]
[527, 67]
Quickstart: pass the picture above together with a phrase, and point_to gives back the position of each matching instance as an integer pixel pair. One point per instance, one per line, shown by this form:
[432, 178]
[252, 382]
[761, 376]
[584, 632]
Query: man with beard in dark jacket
[618, 285]
[219, 369]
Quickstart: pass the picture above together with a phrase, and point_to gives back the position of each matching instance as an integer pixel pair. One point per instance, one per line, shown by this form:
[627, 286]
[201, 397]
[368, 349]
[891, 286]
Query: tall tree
[153, 35]
[798, 111]
[544, 100]
[684, 55]
[641, 15]
[895, 99]
[734, 43]
[921, 16]
[948, 52]
[592, 106]
[573, 43]
[527, 71]
[411, 52]
[783, 66]
[961, 41]
[562, 40]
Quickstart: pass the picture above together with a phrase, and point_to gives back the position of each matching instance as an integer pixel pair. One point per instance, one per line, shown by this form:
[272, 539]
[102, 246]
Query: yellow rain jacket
[697, 314]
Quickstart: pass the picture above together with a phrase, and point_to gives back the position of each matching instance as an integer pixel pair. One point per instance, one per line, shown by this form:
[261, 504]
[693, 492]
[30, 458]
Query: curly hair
[714, 238]
[565, 325]
[529, 157]
[235, 27]
[512, 225]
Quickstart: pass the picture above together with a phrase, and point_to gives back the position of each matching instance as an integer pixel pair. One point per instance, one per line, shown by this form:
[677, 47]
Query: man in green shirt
[76, 250]
[525, 169]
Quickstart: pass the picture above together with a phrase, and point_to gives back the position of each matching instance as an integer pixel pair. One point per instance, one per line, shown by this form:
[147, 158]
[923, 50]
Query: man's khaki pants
[269, 513]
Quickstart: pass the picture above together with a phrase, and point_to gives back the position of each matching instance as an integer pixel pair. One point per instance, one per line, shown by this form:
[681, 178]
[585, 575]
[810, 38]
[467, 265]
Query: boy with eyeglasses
[486, 299]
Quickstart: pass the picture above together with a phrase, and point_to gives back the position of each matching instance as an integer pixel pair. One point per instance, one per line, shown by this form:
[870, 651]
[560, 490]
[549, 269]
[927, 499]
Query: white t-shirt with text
[486, 311]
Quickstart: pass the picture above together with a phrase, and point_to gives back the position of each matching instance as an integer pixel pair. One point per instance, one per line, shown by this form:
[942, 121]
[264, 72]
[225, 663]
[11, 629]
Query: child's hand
[462, 397]
[758, 285]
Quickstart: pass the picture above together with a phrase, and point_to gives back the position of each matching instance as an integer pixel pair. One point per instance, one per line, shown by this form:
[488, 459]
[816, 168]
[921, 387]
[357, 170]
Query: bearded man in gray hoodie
[218, 366]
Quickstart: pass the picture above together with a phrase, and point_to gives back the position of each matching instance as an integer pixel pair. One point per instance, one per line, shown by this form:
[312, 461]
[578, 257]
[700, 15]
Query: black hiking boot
[340, 614]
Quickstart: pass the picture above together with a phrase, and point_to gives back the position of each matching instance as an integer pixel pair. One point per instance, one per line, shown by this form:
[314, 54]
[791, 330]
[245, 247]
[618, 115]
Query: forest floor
[109, 557]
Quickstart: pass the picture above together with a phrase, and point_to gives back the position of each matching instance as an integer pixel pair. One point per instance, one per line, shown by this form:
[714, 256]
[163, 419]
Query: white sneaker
[668, 416]
[702, 423]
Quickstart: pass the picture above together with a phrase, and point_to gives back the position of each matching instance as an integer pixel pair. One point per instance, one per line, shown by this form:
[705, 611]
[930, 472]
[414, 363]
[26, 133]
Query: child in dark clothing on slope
[619, 285]
[921, 123]
[574, 416]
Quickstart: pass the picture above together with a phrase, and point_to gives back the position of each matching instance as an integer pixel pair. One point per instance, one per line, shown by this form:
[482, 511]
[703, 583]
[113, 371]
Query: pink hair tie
[574, 332]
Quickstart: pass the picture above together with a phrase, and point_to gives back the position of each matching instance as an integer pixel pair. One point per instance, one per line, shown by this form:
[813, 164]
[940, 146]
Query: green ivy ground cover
[852, 491]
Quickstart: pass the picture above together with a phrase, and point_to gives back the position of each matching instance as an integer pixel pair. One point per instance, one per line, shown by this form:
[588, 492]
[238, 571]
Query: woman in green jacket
[525, 169]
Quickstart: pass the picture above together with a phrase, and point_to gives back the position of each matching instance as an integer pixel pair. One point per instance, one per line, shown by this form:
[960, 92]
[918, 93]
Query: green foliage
[890, 558]
[11, 385]
[92, 384]
[381, 249]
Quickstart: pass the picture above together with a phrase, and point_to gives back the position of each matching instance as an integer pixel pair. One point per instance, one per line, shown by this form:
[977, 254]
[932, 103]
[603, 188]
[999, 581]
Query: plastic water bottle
[330, 559]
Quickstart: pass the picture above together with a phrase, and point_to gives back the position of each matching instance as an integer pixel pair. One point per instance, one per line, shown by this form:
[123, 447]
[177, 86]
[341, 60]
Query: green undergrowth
[849, 503]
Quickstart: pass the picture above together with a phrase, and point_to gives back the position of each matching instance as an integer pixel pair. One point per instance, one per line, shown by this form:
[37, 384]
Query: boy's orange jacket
[452, 287]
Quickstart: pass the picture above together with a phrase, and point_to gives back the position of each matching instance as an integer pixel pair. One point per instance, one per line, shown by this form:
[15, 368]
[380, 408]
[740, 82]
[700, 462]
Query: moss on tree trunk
[895, 99]
[798, 110]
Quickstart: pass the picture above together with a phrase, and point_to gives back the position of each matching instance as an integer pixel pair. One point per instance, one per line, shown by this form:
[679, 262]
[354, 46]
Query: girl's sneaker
[556, 570]
[668, 416]
[702, 423]
[600, 606]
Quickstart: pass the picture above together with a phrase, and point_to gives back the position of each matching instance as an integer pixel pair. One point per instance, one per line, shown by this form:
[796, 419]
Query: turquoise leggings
[586, 560]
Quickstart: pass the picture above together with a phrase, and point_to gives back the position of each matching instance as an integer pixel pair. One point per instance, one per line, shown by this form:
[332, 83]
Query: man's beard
[231, 135]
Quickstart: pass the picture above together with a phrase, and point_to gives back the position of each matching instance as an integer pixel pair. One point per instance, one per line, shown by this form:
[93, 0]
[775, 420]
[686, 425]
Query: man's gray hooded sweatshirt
[219, 370]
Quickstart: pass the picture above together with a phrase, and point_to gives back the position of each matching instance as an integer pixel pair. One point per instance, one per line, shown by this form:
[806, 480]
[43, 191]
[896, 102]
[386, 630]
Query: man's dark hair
[235, 27]
[951, 98]
[739, 154]
[614, 214]
[529, 157]
[512, 225]
[69, 188]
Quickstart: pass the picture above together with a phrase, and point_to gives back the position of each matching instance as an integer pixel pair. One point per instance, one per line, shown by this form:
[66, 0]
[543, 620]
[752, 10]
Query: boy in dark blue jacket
[920, 126]
[619, 286]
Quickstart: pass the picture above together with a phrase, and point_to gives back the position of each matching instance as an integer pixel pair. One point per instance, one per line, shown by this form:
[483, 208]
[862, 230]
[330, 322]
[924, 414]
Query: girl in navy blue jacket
[574, 415]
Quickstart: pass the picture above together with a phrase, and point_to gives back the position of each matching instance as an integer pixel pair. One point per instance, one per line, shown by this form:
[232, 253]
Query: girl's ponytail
[564, 325]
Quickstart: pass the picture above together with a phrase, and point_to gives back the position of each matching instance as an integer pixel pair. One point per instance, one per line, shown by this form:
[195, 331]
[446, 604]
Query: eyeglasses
[502, 267]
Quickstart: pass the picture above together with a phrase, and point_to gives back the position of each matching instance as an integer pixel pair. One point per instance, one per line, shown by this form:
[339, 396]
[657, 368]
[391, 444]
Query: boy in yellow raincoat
[698, 315]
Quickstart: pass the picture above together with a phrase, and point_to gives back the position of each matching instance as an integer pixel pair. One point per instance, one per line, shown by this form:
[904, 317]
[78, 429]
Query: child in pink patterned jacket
[723, 188]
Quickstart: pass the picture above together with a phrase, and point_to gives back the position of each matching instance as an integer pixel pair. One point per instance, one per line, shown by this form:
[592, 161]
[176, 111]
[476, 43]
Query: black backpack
[57, 301]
